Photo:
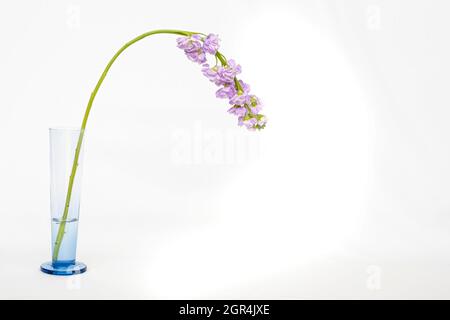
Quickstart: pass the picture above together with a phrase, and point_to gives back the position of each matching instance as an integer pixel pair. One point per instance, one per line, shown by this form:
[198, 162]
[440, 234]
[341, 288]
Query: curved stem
[62, 226]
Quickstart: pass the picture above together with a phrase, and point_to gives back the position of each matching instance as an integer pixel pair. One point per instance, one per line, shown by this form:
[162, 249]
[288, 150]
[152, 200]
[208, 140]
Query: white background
[343, 195]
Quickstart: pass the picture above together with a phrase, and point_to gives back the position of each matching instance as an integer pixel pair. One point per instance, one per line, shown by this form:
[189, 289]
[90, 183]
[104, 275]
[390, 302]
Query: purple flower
[262, 122]
[226, 92]
[189, 43]
[248, 122]
[193, 48]
[211, 44]
[239, 111]
[241, 96]
[255, 105]
[196, 56]
[223, 75]
[227, 73]
[184, 43]
[213, 75]
[246, 107]
[256, 110]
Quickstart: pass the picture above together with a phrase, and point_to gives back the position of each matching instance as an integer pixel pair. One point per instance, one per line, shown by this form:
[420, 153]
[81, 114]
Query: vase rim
[68, 129]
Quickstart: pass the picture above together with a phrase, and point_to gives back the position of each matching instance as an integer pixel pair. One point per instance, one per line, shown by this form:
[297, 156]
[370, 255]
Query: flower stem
[62, 226]
[222, 59]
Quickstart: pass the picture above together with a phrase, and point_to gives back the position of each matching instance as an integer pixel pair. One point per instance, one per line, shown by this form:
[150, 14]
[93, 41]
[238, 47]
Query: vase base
[63, 269]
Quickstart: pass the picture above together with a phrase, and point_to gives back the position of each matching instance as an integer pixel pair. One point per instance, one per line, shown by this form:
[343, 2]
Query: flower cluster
[245, 106]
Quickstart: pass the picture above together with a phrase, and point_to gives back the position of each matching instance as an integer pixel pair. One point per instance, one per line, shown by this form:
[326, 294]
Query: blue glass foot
[63, 269]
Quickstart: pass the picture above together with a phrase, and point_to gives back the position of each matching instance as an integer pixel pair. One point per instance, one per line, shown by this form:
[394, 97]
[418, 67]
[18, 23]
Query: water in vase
[68, 251]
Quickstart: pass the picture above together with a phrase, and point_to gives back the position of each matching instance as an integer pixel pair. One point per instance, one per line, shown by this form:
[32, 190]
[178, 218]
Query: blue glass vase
[63, 143]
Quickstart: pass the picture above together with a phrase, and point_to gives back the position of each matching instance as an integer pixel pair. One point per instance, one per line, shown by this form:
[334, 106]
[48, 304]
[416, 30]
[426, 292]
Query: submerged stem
[62, 226]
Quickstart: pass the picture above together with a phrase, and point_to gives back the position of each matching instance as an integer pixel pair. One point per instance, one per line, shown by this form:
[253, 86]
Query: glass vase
[63, 144]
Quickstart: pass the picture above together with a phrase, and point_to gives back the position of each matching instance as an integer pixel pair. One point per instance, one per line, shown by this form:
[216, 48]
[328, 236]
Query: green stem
[222, 59]
[62, 226]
